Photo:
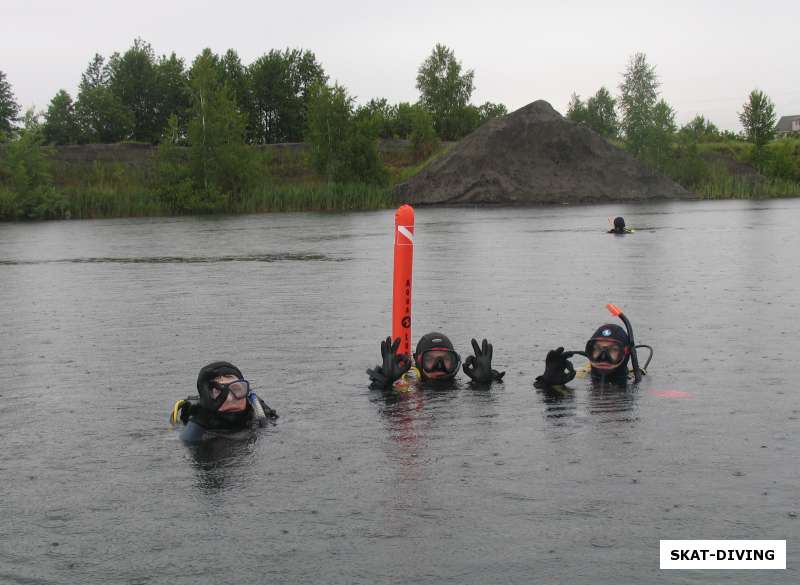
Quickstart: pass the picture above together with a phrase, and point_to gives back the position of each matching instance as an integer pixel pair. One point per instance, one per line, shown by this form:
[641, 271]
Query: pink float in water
[671, 394]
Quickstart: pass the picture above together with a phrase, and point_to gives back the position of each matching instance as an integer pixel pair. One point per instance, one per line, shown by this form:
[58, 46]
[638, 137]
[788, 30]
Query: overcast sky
[708, 55]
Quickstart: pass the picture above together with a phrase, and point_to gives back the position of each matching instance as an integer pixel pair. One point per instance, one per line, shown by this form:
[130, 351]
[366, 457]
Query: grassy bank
[736, 170]
[125, 181]
[83, 183]
[100, 201]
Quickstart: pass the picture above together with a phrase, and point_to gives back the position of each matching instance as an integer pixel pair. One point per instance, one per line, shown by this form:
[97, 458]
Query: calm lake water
[106, 323]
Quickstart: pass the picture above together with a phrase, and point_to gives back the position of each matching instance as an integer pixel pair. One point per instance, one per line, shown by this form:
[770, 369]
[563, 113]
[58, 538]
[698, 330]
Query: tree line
[130, 97]
[204, 118]
[645, 125]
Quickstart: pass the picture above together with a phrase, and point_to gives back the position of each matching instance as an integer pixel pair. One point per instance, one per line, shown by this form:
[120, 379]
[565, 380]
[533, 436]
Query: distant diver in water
[225, 405]
[609, 351]
[619, 227]
[435, 360]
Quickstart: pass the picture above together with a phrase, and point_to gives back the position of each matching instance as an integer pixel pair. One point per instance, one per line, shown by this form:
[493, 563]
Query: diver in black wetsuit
[225, 405]
[609, 351]
[435, 360]
[619, 227]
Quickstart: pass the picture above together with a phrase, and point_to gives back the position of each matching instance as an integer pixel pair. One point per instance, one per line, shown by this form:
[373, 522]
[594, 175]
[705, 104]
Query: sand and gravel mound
[535, 155]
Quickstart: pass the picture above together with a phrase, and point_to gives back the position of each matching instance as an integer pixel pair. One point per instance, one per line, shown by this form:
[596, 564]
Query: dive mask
[607, 353]
[436, 360]
[219, 392]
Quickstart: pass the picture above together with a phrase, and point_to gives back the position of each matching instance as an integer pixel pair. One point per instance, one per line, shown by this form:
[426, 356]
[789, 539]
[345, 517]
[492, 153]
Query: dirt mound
[534, 155]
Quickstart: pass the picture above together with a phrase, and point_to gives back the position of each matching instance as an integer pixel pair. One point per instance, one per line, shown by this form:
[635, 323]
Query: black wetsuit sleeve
[268, 411]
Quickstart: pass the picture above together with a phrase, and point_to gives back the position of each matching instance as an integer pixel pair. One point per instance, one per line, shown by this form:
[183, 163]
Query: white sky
[708, 54]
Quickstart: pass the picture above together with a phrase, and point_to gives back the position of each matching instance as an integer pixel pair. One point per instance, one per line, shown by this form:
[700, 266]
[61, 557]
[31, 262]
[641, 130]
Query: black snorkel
[637, 372]
[606, 332]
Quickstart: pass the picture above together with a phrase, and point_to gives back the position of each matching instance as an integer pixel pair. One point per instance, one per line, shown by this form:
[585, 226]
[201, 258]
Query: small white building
[787, 125]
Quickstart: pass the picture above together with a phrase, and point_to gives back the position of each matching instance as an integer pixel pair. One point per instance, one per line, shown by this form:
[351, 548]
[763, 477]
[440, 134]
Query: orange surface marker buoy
[403, 264]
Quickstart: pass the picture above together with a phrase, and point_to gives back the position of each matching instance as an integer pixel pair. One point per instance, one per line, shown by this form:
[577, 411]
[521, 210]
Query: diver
[619, 227]
[225, 404]
[435, 360]
[609, 351]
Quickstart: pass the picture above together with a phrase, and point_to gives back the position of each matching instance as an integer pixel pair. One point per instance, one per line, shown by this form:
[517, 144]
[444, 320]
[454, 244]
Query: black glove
[394, 365]
[557, 369]
[268, 412]
[479, 366]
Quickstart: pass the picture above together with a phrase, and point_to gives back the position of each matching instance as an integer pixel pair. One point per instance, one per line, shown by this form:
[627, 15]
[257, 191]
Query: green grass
[405, 173]
[740, 151]
[97, 202]
[324, 197]
[287, 183]
[731, 187]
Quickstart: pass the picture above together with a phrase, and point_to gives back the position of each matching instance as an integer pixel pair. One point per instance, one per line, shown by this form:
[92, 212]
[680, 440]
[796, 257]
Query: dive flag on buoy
[403, 263]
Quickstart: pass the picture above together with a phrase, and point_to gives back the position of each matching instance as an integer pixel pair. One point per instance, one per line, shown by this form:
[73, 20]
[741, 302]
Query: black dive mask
[239, 388]
[445, 361]
[212, 394]
[606, 354]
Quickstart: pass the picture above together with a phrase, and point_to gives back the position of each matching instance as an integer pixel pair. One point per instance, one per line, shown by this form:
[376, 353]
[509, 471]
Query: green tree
[222, 166]
[343, 148]
[601, 115]
[174, 97]
[639, 93]
[281, 82]
[237, 78]
[489, 110]
[730, 135]
[657, 149]
[687, 166]
[404, 119]
[379, 113]
[576, 109]
[698, 129]
[466, 120]
[9, 108]
[60, 121]
[444, 90]
[26, 174]
[133, 79]
[758, 118]
[424, 139]
[101, 116]
[96, 72]
[174, 184]
[329, 113]
[361, 158]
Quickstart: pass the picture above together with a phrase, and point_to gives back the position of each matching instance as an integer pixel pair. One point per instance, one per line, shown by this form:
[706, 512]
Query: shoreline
[103, 181]
[476, 206]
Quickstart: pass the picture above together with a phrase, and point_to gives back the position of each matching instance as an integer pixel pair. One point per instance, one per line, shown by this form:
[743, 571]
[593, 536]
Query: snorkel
[617, 312]
[638, 371]
[258, 411]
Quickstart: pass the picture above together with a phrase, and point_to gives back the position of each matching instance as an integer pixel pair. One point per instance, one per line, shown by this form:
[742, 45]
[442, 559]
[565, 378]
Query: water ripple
[181, 259]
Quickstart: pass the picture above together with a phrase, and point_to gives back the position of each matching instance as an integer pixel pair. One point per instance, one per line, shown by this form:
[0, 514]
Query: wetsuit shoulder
[192, 432]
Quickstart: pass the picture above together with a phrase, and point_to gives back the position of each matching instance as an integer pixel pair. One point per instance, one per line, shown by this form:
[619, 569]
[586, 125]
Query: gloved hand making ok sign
[557, 369]
[479, 366]
[394, 365]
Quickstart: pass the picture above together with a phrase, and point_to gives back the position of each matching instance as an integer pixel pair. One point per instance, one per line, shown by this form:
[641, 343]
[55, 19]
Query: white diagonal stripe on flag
[404, 230]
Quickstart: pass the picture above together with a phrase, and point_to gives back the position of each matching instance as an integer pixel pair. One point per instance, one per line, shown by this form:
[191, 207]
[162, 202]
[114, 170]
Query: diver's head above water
[222, 388]
[608, 351]
[436, 358]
